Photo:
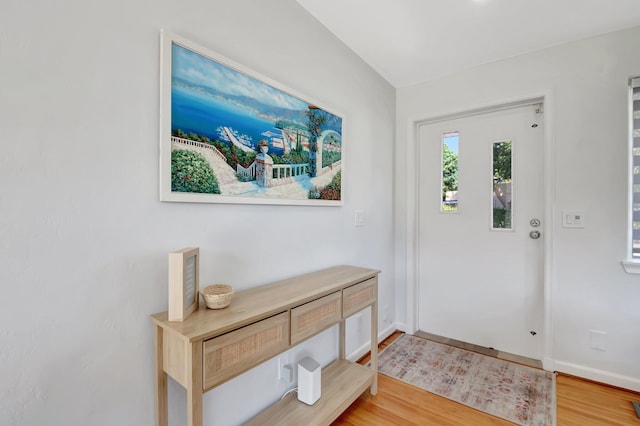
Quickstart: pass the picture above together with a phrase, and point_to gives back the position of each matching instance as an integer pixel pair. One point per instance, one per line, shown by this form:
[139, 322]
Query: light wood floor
[580, 403]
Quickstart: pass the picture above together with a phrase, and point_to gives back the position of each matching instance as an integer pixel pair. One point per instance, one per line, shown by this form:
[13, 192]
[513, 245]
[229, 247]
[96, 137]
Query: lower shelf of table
[342, 383]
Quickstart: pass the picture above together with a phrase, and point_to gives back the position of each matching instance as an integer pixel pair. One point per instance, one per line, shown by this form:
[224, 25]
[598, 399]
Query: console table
[211, 347]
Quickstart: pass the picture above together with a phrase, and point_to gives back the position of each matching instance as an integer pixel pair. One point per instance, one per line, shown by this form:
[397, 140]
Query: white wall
[83, 237]
[588, 84]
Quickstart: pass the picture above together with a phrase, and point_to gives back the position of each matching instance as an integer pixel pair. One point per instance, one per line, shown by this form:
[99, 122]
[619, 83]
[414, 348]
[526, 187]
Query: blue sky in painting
[198, 69]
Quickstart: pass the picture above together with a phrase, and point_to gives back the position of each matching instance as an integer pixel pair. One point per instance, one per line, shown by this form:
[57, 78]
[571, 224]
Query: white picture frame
[217, 117]
[184, 277]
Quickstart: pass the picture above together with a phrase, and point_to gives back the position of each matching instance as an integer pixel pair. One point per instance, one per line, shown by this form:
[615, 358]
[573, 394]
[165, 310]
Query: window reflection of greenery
[502, 162]
[502, 174]
[449, 170]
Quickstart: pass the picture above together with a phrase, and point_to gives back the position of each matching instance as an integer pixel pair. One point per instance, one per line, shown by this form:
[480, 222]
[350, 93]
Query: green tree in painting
[316, 119]
[298, 147]
[449, 170]
[191, 172]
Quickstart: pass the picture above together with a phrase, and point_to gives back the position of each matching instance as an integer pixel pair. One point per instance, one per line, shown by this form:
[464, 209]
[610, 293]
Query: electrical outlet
[287, 373]
[283, 374]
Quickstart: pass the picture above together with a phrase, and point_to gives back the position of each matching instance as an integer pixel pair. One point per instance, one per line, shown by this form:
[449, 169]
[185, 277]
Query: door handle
[534, 235]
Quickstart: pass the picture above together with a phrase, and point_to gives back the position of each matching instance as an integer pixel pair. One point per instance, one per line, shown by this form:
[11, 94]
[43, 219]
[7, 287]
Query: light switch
[358, 216]
[572, 219]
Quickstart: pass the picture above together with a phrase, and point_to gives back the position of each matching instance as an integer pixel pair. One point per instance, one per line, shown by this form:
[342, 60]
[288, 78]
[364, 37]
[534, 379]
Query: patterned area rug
[523, 395]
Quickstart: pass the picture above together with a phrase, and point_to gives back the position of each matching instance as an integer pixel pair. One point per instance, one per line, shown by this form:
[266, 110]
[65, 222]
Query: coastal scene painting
[229, 135]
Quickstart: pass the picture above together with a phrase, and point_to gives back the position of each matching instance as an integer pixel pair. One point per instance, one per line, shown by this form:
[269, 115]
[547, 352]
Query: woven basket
[217, 296]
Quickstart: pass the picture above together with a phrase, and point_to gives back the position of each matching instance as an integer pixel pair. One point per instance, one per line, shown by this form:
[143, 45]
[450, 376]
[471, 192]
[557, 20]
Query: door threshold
[529, 362]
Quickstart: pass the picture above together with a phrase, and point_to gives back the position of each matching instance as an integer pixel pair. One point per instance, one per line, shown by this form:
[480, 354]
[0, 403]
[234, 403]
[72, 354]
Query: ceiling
[412, 41]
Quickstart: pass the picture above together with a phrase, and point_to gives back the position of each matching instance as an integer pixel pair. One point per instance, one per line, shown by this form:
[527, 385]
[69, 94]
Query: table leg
[341, 343]
[162, 412]
[374, 346]
[194, 388]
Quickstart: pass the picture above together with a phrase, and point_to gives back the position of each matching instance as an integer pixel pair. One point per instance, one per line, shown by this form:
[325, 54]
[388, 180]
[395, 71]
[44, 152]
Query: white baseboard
[631, 383]
[403, 327]
[364, 349]
[387, 332]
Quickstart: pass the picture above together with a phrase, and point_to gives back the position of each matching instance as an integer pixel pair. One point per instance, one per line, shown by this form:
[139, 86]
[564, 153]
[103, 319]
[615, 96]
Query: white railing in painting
[199, 145]
[281, 174]
[249, 172]
[284, 172]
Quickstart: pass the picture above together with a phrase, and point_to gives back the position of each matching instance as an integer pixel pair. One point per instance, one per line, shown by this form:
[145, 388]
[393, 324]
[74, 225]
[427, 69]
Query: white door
[480, 277]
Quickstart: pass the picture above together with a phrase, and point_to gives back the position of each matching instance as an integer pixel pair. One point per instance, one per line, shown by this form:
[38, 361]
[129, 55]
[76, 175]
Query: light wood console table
[213, 346]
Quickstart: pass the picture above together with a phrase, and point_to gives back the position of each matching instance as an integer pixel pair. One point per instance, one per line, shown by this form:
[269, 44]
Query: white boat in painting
[241, 141]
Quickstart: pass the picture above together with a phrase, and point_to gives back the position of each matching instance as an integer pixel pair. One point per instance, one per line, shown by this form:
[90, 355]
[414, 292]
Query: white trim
[549, 167]
[631, 266]
[412, 266]
[601, 376]
[479, 110]
[548, 364]
[402, 327]
[412, 207]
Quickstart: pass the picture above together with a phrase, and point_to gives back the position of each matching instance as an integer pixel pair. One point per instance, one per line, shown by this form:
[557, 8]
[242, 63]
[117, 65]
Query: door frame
[413, 273]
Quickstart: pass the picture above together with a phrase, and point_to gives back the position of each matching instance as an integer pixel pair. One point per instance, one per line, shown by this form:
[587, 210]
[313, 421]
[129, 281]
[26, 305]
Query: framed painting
[230, 135]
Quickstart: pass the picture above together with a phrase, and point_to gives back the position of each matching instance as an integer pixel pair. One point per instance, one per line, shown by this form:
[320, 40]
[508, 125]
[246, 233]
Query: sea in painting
[223, 120]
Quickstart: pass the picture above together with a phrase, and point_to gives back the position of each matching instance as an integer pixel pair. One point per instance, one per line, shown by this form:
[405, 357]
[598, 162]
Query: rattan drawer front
[358, 296]
[313, 317]
[228, 355]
